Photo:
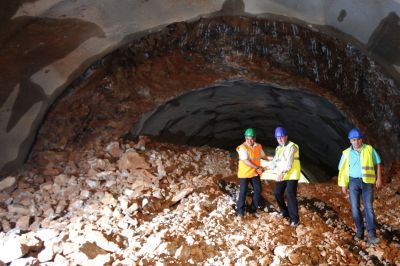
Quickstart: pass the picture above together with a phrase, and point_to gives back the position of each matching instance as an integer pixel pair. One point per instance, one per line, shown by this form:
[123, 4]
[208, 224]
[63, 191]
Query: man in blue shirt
[359, 172]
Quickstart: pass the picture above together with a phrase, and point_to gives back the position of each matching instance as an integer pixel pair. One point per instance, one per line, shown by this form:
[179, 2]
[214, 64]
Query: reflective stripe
[368, 168]
[296, 158]
[367, 164]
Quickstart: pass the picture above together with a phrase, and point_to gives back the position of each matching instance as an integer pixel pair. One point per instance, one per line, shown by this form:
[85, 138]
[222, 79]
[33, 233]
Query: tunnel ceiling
[217, 116]
[109, 98]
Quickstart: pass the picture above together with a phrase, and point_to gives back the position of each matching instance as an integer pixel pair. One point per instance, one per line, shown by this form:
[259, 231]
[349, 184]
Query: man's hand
[378, 184]
[345, 190]
[259, 171]
[280, 177]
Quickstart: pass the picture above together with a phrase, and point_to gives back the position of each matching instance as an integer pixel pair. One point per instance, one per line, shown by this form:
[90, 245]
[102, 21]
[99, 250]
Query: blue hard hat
[355, 133]
[280, 132]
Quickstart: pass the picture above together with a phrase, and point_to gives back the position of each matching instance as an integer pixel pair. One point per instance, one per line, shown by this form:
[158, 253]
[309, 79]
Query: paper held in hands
[269, 175]
[271, 172]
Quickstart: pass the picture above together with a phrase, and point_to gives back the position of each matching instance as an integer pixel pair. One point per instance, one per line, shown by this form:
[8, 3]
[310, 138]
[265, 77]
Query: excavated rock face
[303, 62]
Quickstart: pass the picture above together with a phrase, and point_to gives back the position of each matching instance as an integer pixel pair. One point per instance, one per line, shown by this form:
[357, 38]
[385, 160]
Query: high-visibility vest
[367, 167]
[282, 153]
[254, 153]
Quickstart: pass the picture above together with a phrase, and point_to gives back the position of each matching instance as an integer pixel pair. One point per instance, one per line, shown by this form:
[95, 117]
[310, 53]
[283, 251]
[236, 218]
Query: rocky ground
[147, 203]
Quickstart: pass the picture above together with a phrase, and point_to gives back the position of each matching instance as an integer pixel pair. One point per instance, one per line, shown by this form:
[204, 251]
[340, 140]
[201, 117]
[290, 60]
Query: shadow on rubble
[331, 217]
[232, 190]
[328, 214]
[388, 233]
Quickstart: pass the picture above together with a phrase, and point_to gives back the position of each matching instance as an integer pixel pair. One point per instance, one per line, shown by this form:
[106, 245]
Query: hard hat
[355, 133]
[250, 133]
[280, 132]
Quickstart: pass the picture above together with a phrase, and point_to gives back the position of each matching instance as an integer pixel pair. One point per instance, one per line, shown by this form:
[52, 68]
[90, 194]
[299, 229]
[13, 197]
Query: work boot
[284, 215]
[358, 237]
[372, 240]
[239, 217]
[294, 224]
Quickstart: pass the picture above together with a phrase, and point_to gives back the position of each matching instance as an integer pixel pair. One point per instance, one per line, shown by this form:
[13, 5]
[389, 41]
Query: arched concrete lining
[62, 53]
[217, 116]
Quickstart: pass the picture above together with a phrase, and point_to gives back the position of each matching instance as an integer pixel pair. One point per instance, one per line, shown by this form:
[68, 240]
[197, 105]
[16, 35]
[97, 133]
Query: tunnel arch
[217, 116]
[110, 97]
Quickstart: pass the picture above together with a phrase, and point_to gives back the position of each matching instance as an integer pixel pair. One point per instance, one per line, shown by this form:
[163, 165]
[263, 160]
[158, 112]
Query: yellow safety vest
[254, 153]
[294, 172]
[367, 165]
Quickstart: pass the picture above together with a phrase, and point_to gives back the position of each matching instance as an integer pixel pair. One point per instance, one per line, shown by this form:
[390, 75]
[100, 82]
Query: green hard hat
[250, 133]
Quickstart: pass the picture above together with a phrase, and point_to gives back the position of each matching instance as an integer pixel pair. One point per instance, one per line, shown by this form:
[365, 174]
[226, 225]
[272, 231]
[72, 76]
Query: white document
[269, 175]
[271, 172]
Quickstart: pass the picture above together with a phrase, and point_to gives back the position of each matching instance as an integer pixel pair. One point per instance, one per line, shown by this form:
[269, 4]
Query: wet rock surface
[175, 205]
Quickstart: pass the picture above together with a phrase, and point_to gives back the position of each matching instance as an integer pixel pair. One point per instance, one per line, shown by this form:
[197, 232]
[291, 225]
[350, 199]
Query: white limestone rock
[281, 251]
[134, 207]
[108, 199]
[145, 201]
[12, 249]
[8, 183]
[60, 260]
[61, 180]
[92, 183]
[46, 254]
[47, 235]
[18, 209]
[101, 241]
[23, 222]
[181, 194]
[30, 261]
[123, 202]
[113, 149]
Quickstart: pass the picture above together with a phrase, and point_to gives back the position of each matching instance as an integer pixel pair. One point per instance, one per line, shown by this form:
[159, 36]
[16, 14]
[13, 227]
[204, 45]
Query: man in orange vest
[249, 170]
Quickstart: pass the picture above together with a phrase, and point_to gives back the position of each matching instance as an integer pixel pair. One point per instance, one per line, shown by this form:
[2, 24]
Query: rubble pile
[148, 203]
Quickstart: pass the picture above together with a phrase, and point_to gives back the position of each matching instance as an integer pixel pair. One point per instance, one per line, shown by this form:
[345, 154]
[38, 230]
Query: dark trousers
[291, 210]
[241, 203]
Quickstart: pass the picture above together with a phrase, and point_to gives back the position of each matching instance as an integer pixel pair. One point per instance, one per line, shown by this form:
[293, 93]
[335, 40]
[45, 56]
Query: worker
[286, 164]
[249, 170]
[359, 172]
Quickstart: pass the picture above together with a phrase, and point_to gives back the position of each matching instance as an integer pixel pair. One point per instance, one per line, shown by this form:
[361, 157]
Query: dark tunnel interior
[217, 116]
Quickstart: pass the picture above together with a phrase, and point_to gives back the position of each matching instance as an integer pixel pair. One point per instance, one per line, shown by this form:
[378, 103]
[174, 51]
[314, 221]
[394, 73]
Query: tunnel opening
[293, 61]
[218, 115]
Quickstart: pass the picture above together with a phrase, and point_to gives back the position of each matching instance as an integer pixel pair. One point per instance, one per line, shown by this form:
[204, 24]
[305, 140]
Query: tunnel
[205, 82]
[217, 116]
[119, 123]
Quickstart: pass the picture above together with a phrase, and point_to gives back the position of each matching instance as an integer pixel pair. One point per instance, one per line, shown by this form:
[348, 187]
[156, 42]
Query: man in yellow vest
[359, 172]
[249, 169]
[286, 163]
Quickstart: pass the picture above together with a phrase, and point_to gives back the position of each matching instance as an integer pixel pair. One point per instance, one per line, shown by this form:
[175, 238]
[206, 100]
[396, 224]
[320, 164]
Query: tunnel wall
[46, 45]
[111, 96]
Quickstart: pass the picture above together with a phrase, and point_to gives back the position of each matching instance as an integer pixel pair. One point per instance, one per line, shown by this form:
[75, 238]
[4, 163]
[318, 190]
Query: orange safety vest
[255, 152]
